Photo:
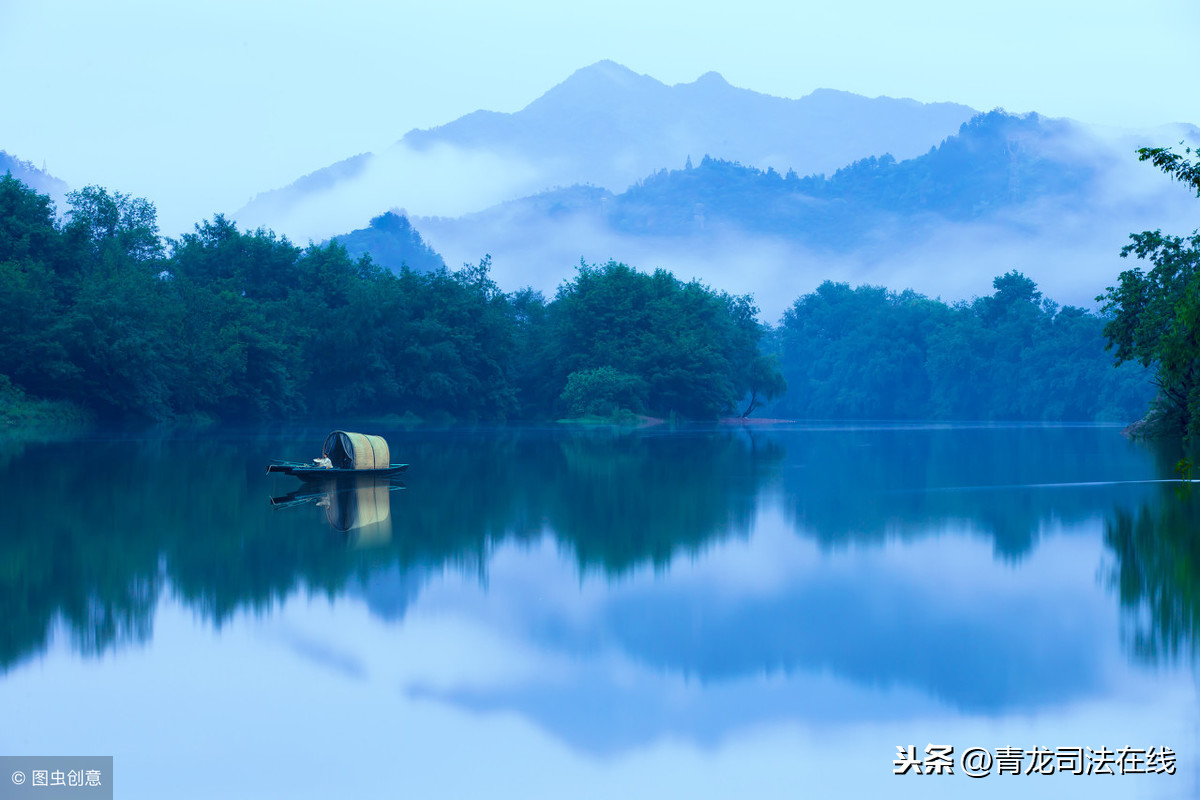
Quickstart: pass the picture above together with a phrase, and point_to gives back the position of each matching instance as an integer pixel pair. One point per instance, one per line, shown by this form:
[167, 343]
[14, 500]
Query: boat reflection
[359, 508]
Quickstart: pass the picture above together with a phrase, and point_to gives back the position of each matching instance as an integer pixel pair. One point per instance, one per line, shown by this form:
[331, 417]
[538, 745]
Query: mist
[441, 180]
[1070, 245]
[461, 200]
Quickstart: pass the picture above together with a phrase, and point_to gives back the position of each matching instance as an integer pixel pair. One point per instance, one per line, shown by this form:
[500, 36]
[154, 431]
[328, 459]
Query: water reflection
[775, 630]
[1157, 573]
[886, 558]
[100, 528]
[358, 507]
[1005, 483]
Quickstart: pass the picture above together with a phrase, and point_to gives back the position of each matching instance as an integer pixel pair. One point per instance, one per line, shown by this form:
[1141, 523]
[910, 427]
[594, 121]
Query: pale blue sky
[200, 105]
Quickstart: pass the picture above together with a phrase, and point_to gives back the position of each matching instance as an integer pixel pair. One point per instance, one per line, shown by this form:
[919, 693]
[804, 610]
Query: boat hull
[307, 472]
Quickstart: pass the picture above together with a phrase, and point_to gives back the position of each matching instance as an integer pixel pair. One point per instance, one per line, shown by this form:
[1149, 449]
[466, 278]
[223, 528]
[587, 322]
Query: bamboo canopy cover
[356, 451]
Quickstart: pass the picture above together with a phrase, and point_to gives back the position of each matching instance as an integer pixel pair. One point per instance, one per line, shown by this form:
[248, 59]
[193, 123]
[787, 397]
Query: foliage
[224, 323]
[234, 324]
[1177, 165]
[689, 351]
[870, 353]
[1156, 314]
[19, 412]
[602, 392]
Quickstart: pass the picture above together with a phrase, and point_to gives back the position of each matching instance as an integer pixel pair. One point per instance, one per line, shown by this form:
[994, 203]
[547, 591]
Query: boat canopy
[356, 451]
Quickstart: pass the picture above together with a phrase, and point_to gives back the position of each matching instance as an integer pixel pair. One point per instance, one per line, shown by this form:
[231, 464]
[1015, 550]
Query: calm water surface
[547, 613]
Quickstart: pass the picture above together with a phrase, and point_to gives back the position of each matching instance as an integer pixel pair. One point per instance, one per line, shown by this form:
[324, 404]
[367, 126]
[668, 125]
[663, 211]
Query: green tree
[115, 304]
[1156, 313]
[765, 382]
[112, 230]
[235, 340]
[871, 353]
[32, 295]
[694, 349]
[602, 392]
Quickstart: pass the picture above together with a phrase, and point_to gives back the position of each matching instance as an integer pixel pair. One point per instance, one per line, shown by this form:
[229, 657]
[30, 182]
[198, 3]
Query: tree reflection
[618, 500]
[853, 486]
[1157, 570]
[99, 529]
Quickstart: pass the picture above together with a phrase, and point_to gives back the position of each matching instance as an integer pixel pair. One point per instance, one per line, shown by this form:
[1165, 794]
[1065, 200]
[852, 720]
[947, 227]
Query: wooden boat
[349, 454]
[308, 472]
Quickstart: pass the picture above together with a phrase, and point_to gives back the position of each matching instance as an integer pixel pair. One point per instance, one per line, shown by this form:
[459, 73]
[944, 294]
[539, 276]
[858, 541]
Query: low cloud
[1070, 245]
[441, 180]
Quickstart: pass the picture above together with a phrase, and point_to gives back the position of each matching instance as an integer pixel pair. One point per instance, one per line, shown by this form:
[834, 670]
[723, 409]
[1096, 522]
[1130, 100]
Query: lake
[543, 612]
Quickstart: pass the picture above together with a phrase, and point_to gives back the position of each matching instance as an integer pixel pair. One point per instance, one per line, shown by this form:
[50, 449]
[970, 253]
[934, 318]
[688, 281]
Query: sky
[198, 106]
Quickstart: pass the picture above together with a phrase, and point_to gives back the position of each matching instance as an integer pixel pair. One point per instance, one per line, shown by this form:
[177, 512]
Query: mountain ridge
[35, 178]
[994, 161]
[609, 126]
[629, 103]
[1047, 196]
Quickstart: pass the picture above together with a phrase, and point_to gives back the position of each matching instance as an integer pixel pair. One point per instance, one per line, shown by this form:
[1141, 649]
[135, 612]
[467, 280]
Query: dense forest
[223, 323]
[97, 310]
[872, 353]
[996, 161]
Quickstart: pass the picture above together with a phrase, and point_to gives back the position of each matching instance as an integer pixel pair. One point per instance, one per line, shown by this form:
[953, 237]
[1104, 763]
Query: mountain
[392, 243]
[276, 201]
[606, 126]
[34, 178]
[995, 161]
[610, 126]
[1052, 198]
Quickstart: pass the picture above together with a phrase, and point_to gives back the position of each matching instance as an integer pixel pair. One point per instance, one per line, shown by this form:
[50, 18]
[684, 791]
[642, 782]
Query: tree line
[97, 309]
[222, 323]
[995, 161]
[871, 353]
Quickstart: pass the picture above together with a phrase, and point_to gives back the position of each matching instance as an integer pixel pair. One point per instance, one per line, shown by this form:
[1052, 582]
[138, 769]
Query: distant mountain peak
[608, 69]
[821, 91]
[711, 78]
[392, 242]
[603, 77]
[610, 126]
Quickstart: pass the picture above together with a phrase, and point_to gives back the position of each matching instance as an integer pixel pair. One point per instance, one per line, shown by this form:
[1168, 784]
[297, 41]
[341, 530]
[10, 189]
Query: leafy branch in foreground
[1156, 314]
[1174, 164]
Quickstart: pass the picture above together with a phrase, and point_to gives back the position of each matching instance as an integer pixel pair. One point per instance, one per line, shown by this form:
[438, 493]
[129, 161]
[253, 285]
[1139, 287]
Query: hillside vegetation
[221, 323]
